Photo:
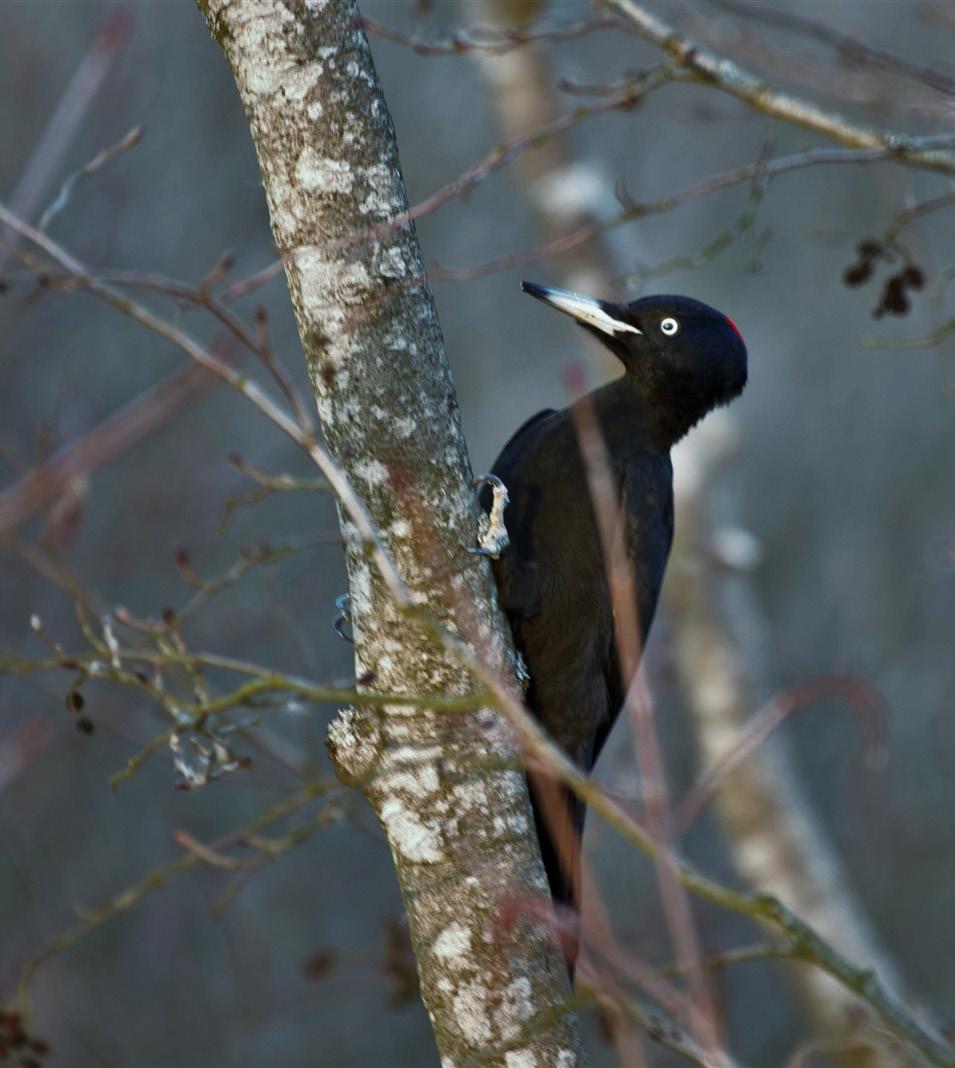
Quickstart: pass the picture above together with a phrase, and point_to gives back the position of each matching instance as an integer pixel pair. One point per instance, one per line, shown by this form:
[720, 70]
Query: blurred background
[841, 472]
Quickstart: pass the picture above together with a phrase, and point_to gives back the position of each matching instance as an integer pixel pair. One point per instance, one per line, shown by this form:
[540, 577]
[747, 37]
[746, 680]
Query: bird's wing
[516, 439]
[647, 506]
[516, 571]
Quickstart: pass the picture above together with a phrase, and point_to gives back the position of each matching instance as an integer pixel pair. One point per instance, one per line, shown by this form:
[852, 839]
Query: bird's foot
[492, 533]
[343, 619]
[520, 669]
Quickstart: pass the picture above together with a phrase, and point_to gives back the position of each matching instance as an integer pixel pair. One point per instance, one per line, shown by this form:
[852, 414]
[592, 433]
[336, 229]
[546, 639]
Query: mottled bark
[462, 837]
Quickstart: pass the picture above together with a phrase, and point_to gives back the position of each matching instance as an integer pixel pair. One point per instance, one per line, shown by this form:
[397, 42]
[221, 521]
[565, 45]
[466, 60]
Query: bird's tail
[559, 818]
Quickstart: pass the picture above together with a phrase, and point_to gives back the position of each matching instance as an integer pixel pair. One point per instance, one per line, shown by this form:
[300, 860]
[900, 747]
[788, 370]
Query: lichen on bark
[445, 786]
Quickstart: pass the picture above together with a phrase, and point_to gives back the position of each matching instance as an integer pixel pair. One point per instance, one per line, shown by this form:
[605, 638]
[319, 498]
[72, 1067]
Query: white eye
[669, 327]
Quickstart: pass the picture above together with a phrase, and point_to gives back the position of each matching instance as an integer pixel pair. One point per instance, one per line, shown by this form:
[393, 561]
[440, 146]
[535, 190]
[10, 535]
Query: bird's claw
[343, 618]
[492, 533]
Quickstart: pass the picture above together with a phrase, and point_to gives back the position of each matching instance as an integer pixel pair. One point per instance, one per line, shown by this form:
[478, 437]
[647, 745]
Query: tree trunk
[461, 835]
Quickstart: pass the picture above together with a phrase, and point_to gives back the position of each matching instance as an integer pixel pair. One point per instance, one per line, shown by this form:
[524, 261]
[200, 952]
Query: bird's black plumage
[681, 359]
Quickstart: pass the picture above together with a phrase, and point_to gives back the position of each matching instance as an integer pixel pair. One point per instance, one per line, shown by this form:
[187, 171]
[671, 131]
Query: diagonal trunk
[462, 837]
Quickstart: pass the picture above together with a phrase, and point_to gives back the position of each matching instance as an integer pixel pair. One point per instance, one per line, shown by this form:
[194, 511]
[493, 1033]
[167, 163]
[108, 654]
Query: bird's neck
[631, 417]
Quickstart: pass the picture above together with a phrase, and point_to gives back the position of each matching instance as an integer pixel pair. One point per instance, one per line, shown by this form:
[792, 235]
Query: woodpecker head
[686, 357]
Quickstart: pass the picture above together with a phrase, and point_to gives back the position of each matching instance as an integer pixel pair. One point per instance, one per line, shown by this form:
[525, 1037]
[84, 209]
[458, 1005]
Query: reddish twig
[772, 715]
[112, 437]
[621, 582]
[255, 281]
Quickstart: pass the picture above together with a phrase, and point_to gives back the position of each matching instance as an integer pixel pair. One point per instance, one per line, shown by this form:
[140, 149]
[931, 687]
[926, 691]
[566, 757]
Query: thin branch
[153, 880]
[741, 955]
[701, 65]
[124, 144]
[255, 281]
[764, 171]
[112, 437]
[923, 341]
[201, 296]
[764, 722]
[184, 293]
[918, 211]
[495, 43]
[111, 36]
[621, 100]
[849, 47]
[250, 390]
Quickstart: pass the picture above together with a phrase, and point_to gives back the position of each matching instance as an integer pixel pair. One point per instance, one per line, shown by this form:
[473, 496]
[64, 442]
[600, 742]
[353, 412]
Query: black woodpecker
[681, 359]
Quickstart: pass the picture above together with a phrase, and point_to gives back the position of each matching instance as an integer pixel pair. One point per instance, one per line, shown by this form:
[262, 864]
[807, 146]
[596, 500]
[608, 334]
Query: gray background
[844, 475]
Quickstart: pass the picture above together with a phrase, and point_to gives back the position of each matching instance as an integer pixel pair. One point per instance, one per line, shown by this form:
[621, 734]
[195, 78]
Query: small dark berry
[85, 725]
[857, 274]
[894, 300]
[319, 965]
[75, 701]
[913, 277]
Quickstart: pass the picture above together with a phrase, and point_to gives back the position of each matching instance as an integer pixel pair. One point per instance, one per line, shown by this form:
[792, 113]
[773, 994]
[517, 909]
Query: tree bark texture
[458, 824]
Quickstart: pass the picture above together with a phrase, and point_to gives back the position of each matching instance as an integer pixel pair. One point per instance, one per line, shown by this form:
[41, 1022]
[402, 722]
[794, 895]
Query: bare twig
[250, 390]
[848, 47]
[494, 42]
[153, 880]
[124, 144]
[918, 211]
[771, 716]
[267, 484]
[922, 341]
[701, 65]
[574, 238]
[255, 281]
[109, 439]
[77, 98]
[621, 100]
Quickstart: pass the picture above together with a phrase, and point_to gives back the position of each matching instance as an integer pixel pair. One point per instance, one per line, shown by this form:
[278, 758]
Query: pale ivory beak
[583, 309]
